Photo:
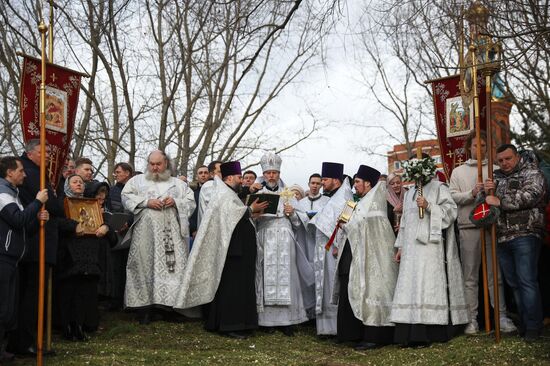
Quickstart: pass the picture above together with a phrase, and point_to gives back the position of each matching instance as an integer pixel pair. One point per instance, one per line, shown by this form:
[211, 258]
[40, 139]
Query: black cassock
[234, 306]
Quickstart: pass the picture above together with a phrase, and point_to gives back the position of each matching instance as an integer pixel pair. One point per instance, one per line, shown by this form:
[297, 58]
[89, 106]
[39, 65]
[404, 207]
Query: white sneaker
[506, 325]
[472, 328]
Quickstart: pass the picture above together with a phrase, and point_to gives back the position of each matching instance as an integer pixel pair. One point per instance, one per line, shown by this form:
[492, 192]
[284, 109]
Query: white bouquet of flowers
[419, 170]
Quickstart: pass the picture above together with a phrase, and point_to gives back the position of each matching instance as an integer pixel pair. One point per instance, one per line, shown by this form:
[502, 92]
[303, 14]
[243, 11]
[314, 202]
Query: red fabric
[452, 148]
[481, 211]
[66, 82]
[332, 237]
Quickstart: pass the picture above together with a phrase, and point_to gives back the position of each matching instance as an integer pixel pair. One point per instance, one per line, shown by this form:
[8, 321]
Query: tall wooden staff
[480, 180]
[482, 47]
[50, 270]
[43, 29]
[491, 57]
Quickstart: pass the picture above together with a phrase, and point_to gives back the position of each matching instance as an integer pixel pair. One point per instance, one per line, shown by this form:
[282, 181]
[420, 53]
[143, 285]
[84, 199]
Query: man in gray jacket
[464, 189]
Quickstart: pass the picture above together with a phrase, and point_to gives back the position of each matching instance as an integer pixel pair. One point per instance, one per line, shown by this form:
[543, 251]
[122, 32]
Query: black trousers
[27, 315]
[8, 299]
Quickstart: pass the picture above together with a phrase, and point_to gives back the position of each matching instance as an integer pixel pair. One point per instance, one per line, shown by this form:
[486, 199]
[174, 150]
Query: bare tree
[193, 77]
[423, 34]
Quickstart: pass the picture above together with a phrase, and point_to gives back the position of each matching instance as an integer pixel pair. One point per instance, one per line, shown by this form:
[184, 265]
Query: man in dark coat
[15, 225]
[23, 341]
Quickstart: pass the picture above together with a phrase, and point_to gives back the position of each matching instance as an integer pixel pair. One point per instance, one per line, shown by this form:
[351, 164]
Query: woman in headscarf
[395, 195]
[78, 270]
[298, 191]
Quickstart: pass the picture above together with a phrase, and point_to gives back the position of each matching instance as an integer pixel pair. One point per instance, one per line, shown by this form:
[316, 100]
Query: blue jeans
[519, 263]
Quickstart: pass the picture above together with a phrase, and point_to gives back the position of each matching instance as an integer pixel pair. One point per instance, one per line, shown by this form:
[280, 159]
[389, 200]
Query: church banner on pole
[453, 121]
[61, 104]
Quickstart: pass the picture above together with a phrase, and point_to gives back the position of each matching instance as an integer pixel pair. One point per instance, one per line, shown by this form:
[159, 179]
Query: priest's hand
[169, 202]
[288, 210]
[255, 187]
[155, 204]
[258, 207]
[397, 257]
[421, 202]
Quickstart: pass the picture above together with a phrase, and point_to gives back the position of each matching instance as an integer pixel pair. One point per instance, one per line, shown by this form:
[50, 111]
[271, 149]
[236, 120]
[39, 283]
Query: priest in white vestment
[324, 223]
[161, 205]
[207, 189]
[366, 270]
[305, 234]
[221, 270]
[429, 296]
[282, 300]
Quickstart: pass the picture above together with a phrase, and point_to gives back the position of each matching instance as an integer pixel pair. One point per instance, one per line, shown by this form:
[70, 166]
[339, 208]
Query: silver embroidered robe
[324, 262]
[207, 259]
[204, 198]
[373, 270]
[305, 236]
[421, 292]
[148, 278]
[282, 299]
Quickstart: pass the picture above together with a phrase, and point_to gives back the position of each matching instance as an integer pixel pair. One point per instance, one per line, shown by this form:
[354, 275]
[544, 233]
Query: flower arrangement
[419, 170]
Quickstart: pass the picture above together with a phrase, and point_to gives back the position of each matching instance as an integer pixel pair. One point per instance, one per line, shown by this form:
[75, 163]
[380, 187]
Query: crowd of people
[350, 255]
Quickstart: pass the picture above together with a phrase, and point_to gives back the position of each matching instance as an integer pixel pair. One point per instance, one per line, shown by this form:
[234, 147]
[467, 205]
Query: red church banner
[453, 122]
[62, 89]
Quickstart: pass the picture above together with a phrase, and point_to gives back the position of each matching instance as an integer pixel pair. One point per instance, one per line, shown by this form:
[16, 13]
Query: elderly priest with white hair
[161, 205]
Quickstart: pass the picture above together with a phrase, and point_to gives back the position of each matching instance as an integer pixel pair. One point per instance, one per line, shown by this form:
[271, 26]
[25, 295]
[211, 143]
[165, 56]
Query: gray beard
[158, 177]
[271, 185]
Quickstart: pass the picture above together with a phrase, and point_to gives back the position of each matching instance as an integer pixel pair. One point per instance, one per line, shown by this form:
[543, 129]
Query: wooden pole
[480, 180]
[43, 29]
[489, 128]
[50, 270]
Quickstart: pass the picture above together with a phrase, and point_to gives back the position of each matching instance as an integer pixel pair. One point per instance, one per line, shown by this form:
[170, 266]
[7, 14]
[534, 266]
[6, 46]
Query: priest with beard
[282, 266]
[324, 223]
[366, 270]
[161, 205]
[221, 270]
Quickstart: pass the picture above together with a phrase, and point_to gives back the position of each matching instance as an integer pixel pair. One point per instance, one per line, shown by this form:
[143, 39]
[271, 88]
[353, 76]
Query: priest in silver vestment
[366, 270]
[207, 189]
[429, 300]
[279, 259]
[306, 209]
[324, 223]
[221, 270]
[161, 205]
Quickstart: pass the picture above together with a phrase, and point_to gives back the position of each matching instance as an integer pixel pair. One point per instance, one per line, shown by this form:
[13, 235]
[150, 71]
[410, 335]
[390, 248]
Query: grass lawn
[122, 341]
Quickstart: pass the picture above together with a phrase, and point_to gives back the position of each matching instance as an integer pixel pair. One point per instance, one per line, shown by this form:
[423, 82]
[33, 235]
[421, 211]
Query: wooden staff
[52, 168]
[480, 180]
[489, 127]
[43, 29]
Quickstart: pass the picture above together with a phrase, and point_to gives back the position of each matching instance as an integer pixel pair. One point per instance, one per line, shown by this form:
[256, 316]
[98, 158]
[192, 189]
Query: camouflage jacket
[523, 196]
